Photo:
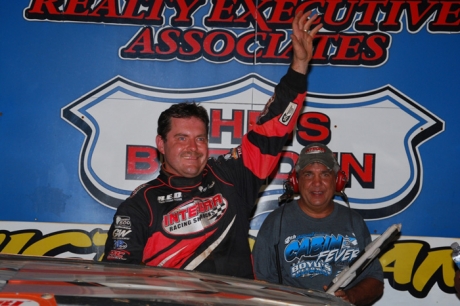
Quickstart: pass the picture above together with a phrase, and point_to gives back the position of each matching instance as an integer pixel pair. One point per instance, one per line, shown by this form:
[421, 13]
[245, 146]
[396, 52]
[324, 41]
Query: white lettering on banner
[379, 186]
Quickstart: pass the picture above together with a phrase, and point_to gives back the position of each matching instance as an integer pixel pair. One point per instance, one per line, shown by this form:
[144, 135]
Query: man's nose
[316, 179]
[193, 145]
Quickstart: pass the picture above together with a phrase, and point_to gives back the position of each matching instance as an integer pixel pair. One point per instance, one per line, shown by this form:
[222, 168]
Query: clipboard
[363, 259]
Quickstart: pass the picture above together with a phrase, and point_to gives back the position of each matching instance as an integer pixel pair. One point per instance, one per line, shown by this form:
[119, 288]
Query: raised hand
[302, 40]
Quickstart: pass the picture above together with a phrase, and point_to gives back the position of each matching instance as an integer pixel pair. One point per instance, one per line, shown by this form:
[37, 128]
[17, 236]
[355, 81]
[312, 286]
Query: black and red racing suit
[202, 223]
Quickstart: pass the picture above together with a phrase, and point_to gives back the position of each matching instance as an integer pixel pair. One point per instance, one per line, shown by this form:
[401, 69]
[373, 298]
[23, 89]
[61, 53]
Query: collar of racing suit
[180, 181]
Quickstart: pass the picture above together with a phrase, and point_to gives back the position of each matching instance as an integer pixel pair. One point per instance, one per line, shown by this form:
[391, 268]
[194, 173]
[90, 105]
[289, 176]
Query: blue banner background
[46, 65]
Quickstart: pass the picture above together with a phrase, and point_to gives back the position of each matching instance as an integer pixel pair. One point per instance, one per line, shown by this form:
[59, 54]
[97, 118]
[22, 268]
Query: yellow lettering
[33, 243]
[400, 261]
[99, 238]
[52, 242]
[432, 263]
[17, 242]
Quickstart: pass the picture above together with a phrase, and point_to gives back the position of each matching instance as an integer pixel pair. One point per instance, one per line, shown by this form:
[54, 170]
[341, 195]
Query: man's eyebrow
[180, 134]
[187, 135]
[322, 171]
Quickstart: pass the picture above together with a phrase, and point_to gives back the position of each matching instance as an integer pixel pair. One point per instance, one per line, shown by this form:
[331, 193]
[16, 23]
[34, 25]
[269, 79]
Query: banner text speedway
[182, 40]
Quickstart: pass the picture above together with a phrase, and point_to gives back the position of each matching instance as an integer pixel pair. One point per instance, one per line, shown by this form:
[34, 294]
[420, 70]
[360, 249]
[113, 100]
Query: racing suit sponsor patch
[195, 216]
[119, 245]
[122, 222]
[288, 113]
[118, 255]
[120, 233]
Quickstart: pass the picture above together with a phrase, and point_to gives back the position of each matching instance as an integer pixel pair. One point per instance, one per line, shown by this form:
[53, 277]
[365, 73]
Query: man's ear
[160, 144]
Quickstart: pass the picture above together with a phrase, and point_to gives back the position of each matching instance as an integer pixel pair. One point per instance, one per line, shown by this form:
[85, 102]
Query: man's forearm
[365, 292]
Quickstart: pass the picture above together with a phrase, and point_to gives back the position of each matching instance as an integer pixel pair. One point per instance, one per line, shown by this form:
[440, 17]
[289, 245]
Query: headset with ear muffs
[291, 185]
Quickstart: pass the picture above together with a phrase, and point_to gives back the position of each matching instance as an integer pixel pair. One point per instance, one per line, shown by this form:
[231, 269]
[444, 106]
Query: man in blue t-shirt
[308, 242]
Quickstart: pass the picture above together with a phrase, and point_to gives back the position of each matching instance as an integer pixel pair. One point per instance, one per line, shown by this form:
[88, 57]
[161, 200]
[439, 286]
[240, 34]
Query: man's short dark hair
[181, 110]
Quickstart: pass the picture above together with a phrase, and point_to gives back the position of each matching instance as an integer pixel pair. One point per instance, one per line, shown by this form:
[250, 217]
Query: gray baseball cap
[316, 153]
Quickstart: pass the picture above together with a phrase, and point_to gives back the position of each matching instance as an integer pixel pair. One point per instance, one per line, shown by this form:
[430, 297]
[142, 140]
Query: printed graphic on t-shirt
[315, 254]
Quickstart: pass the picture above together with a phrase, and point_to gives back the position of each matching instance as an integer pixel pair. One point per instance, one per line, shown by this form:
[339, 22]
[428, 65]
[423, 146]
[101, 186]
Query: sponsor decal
[117, 255]
[235, 153]
[203, 189]
[122, 222]
[27, 299]
[177, 196]
[195, 216]
[287, 115]
[315, 150]
[120, 245]
[120, 233]
[264, 112]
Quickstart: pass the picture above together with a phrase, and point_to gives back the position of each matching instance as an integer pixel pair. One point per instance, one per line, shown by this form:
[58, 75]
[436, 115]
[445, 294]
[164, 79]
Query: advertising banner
[82, 84]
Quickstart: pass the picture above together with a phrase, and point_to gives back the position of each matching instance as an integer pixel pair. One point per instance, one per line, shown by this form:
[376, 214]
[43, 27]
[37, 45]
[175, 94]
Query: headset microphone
[288, 193]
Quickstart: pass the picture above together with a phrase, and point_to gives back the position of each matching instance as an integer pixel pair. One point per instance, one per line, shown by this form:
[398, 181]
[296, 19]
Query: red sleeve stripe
[263, 144]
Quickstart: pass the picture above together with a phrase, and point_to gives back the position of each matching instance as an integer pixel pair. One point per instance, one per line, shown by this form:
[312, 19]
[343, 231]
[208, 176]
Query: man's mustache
[191, 154]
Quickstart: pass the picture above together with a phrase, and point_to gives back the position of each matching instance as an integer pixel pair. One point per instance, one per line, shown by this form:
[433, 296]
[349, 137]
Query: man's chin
[192, 172]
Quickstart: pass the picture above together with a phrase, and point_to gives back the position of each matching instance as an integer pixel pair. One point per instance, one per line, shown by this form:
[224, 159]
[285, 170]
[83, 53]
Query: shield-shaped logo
[375, 135]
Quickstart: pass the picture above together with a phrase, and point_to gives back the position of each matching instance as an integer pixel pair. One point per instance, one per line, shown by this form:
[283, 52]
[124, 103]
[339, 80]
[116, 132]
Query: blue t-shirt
[312, 252]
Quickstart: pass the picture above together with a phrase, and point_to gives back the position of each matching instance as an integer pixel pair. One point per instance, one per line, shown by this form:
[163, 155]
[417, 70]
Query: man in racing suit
[195, 214]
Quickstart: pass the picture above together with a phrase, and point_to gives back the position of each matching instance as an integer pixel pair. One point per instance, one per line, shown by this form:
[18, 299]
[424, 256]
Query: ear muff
[292, 180]
[340, 182]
